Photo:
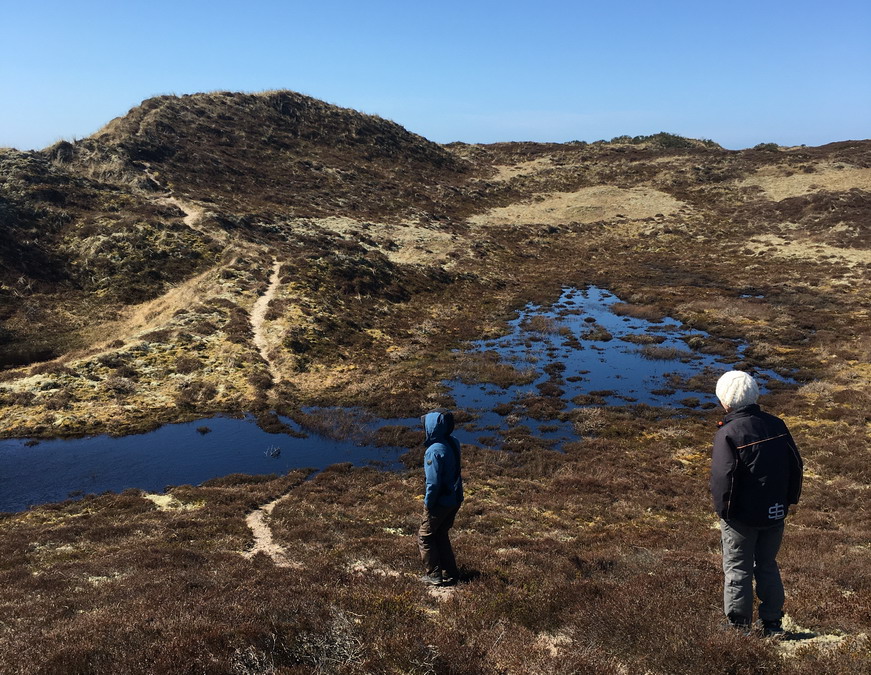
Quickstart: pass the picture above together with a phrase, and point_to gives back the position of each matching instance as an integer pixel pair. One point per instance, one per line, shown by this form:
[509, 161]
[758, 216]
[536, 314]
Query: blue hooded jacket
[441, 462]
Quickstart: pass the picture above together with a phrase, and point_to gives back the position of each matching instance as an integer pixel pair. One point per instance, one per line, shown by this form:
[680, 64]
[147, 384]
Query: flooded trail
[258, 318]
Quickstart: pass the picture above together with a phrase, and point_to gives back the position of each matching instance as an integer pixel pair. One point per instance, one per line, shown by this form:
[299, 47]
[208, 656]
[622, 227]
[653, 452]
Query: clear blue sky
[739, 72]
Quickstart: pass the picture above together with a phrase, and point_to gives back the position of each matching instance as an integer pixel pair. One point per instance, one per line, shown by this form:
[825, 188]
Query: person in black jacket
[756, 474]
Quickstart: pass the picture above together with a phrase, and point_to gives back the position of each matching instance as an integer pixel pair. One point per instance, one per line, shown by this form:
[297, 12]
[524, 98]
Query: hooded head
[438, 426]
[737, 389]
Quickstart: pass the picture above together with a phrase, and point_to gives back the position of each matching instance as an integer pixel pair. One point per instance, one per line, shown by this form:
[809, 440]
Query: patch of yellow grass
[778, 186]
[587, 205]
[507, 172]
[170, 503]
[804, 249]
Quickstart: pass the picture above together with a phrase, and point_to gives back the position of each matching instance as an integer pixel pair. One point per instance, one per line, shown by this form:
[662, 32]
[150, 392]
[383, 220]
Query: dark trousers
[748, 553]
[433, 542]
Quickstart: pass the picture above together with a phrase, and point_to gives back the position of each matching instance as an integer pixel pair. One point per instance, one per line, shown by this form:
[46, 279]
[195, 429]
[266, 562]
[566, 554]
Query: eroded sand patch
[257, 522]
[412, 243]
[777, 186]
[587, 205]
[805, 249]
[509, 171]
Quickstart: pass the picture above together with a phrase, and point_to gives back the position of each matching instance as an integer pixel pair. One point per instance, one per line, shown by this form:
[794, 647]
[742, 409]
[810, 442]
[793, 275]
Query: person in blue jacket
[442, 499]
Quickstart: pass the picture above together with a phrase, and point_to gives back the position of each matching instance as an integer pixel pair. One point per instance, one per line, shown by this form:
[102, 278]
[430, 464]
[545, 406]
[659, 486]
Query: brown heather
[131, 266]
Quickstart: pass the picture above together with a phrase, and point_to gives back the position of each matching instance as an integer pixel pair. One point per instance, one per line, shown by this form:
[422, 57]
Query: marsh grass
[660, 353]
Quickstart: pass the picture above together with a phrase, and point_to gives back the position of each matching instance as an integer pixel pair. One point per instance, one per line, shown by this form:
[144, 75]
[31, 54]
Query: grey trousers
[750, 552]
[434, 543]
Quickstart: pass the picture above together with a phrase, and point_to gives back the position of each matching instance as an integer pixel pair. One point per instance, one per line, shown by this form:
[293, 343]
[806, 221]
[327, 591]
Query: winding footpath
[258, 317]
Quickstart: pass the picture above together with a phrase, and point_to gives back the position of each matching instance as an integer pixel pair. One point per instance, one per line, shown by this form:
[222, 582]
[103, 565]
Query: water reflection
[583, 353]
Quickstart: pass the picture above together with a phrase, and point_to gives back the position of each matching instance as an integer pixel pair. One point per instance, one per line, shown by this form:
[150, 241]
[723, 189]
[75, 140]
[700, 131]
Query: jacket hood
[438, 426]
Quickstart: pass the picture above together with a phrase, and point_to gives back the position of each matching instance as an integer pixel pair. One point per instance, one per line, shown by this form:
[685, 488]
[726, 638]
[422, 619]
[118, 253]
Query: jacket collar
[746, 411]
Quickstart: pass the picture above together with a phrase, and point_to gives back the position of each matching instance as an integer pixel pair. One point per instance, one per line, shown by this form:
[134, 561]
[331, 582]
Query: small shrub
[195, 392]
[164, 335]
[260, 380]
[59, 401]
[646, 312]
[187, 364]
[52, 368]
[597, 333]
[544, 325]
[120, 386]
[659, 353]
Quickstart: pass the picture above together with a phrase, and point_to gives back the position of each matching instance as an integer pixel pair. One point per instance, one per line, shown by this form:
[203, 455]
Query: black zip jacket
[756, 470]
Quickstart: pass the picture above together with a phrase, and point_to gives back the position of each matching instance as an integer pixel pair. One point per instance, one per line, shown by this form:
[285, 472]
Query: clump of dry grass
[660, 353]
[646, 312]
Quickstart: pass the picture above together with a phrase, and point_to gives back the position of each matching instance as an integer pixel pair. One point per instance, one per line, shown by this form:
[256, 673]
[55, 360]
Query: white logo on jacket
[777, 512]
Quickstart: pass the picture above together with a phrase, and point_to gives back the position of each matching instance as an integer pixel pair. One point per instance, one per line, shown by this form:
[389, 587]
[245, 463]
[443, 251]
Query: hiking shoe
[738, 624]
[773, 629]
[434, 579]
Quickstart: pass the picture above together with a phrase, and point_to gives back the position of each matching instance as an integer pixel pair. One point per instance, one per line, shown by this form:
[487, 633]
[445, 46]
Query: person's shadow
[467, 575]
[793, 636]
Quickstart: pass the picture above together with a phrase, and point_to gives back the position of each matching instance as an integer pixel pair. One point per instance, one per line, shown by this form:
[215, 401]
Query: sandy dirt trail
[193, 218]
[258, 317]
[263, 541]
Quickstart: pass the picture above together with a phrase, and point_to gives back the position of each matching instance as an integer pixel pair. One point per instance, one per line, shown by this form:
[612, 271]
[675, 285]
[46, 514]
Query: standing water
[580, 347]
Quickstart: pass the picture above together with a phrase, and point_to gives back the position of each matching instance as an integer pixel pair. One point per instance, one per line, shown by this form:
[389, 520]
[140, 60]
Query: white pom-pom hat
[736, 389]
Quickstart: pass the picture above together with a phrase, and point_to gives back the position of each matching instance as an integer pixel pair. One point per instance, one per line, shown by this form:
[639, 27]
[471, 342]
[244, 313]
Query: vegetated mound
[71, 247]
[271, 152]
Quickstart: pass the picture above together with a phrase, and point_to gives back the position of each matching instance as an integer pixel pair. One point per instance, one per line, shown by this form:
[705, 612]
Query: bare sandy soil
[587, 205]
[258, 522]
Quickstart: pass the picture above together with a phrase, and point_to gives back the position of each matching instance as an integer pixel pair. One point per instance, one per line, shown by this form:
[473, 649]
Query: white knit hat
[736, 389]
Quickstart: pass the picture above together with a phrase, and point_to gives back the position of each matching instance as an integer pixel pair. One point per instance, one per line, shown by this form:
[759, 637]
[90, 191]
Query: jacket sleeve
[724, 465]
[796, 470]
[432, 467]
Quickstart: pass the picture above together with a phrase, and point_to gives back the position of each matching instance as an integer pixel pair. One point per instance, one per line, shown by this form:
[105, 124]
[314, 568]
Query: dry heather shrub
[60, 400]
[659, 353]
[190, 394]
[52, 368]
[334, 423]
[398, 437]
[597, 333]
[588, 420]
[643, 339]
[22, 398]
[646, 312]
[541, 324]
[260, 380]
[187, 364]
[120, 386]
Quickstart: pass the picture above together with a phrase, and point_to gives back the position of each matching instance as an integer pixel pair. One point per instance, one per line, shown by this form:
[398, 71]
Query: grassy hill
[131, 266]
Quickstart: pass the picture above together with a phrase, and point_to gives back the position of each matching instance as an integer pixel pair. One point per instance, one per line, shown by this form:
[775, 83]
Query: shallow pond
[579, 349]
[175, 454]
